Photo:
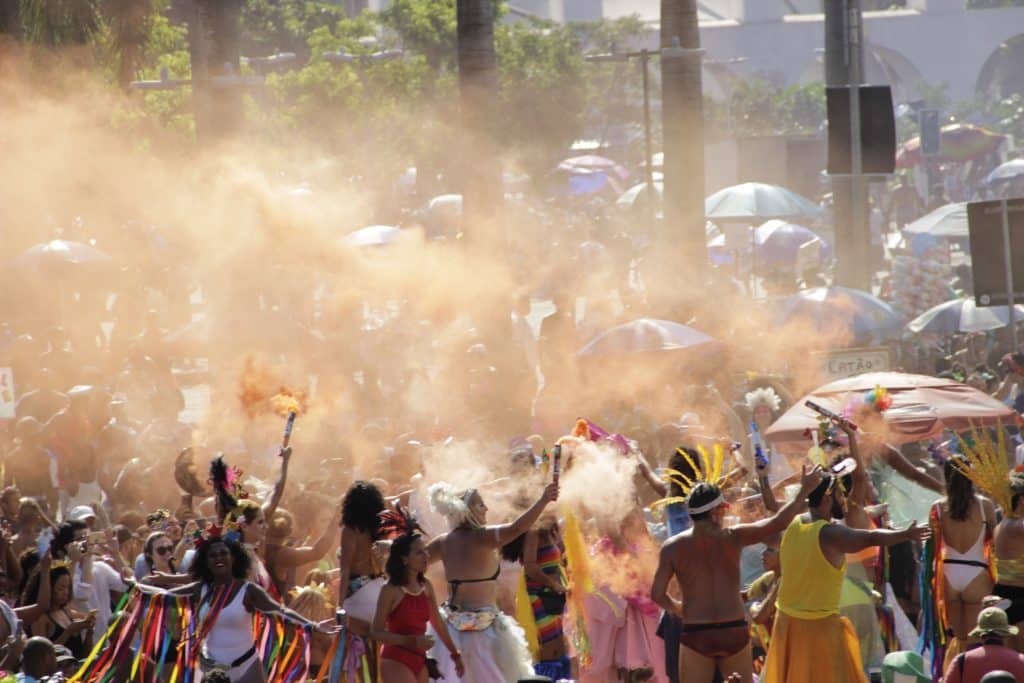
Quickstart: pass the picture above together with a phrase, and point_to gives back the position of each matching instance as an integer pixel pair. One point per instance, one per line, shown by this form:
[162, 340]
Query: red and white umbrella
[922, 407]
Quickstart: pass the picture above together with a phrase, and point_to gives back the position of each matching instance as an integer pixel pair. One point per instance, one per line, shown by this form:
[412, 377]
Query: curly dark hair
[239, 566]
[32, 589]
[360, 509]
[395, 566]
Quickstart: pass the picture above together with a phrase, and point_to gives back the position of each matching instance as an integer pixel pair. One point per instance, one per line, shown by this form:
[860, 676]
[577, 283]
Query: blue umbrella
[832, 310]
[779, 242]
[647, 335]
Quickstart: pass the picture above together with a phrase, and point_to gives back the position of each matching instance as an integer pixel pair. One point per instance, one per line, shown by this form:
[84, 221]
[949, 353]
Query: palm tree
[128, 21]
[60, 22]
[683, 135]
[480, 171]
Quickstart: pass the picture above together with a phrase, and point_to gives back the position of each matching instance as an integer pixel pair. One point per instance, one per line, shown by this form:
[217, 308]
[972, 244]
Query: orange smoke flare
[261, 392]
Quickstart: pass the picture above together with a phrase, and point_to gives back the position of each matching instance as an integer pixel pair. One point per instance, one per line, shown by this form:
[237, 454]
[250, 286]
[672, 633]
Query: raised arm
[270, 507]
[894, 459]
[662, 577]
[859, 490]
[758, 532]
[294, 557]
[660, 487]
[508, 532]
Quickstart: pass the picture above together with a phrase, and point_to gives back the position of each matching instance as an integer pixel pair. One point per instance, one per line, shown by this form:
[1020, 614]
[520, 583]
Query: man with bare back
[705, 560]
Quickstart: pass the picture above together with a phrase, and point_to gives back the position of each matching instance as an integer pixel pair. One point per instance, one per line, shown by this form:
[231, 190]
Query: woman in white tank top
[223, 603]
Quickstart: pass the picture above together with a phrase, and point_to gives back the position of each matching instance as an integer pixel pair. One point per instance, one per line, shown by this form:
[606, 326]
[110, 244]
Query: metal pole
[861, 255]
[1008, 263]
[648, 155]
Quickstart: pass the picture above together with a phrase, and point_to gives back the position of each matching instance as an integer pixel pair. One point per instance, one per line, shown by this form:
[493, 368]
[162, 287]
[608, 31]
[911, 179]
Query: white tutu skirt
[362, 604]
[494, 655]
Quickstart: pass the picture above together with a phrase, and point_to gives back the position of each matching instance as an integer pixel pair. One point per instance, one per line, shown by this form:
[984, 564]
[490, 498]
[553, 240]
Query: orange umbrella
[922, 407]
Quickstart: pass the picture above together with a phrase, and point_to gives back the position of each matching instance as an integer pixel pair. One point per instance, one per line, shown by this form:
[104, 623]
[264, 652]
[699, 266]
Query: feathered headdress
[452, 504]
[398, 521]
[712, 471]
[765, 396]
[227, 484]
[986, 465]
[157, 521]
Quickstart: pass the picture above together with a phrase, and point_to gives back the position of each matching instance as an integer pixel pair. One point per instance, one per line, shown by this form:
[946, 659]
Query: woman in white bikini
[964, 522]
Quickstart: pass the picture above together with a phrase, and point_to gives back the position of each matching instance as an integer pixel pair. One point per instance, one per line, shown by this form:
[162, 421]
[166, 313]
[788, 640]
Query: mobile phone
[43, 542]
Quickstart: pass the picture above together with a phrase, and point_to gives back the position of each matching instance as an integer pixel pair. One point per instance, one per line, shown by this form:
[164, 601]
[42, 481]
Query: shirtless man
[492, 644]
[361, 576]
[705, 560]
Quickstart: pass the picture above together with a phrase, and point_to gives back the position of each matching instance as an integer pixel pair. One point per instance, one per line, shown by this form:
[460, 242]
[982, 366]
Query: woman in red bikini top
[405, 606]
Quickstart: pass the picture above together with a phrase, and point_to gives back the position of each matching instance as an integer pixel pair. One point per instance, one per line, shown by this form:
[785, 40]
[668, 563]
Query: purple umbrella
[778, 242]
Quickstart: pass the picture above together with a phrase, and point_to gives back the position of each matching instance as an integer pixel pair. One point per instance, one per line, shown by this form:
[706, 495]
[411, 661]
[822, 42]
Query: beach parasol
[779, 242]
[1014, 168]
[757, 202]
[637, 195]
[593, 162]
[949, 221]
[373, 236]
[647, 336]
[60, 257]
[838, 310]
[959, 142]
[922, 407]
[963, 315]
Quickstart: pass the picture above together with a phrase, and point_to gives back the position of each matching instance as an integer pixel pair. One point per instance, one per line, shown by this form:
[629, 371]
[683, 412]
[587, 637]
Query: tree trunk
[213, 34]
[10, 18]
[479, 172]
[682, 112]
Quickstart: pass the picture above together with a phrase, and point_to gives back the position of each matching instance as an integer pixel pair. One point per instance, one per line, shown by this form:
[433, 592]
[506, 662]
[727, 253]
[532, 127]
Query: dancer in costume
[677, 519]
[984, 463]
[705, 560]
[545, 589]
[1008, 545]
[961, 520]
[361, 578]
[235, 507]
[283, 559]
[492, 643]
[223, 602]
[406, 605]
[813, 556]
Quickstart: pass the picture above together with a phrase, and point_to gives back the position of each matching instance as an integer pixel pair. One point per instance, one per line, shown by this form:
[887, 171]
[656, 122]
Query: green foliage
[284, 25]
[426, 27]
[60, 22]
[755, 107]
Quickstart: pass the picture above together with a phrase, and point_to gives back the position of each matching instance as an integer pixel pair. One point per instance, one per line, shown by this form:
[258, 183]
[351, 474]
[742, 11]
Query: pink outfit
[622, 632]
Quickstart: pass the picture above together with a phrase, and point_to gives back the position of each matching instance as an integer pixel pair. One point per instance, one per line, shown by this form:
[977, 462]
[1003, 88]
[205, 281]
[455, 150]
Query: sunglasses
[164, 550]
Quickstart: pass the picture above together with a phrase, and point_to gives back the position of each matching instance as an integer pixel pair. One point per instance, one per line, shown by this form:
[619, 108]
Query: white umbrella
[756, 203]
[962, 315]
[632, 196]
[1006, 171]
[373, 236]
[946, 221]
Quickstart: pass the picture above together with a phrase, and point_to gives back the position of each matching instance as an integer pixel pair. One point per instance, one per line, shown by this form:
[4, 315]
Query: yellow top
[811, 585]
[1009, 570]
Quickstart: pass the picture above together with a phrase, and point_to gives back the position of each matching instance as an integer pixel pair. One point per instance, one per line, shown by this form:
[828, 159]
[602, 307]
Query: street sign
[989, 250]
[877, 130]
[931, 138]
[843, 363]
